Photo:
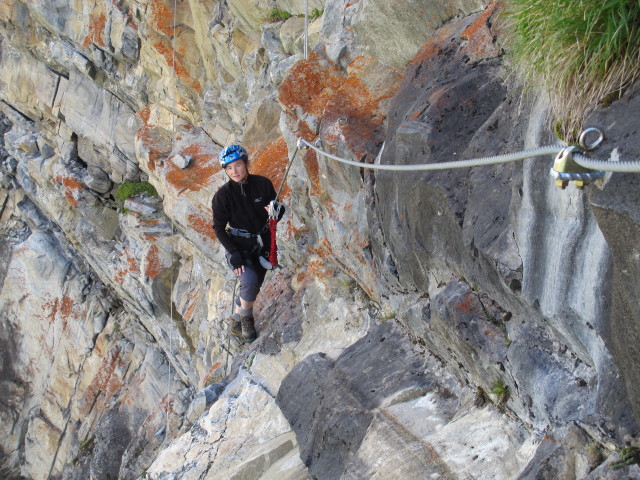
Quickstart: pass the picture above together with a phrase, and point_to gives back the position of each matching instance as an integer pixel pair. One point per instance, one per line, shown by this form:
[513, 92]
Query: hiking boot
[235, 327]
[248, 329]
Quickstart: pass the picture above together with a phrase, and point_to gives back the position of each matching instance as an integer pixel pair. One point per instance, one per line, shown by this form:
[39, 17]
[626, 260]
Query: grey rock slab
[330, 404]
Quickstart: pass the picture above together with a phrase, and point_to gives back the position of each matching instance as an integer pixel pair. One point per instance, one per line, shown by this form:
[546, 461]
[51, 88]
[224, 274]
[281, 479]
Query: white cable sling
[474, 162]
[580, 159]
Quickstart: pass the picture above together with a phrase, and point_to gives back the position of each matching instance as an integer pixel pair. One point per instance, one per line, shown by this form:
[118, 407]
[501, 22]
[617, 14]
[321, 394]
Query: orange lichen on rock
[157, 149]
[66, 307]
[467, 304]
[102, 382]
[480, 39]
[347, 108]
[162, 18]
[144, 114]
[174, 60]
[130, 265]
[53, 306]
[309, 85]
[479, 23]
[192, 303]
[60, 308]
[210, 376]
[435, 43]
[197, 175]
[202, 222]
[315, 269]
[97, 23]
[153, 264]
[72, 188]
[355, 110]
[271, 162]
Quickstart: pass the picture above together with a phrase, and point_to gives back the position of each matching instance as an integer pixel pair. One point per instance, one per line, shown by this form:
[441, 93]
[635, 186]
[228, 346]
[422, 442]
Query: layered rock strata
[460, 323]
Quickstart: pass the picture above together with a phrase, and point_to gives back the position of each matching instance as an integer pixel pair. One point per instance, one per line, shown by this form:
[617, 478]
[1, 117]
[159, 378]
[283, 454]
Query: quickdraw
[274, 214]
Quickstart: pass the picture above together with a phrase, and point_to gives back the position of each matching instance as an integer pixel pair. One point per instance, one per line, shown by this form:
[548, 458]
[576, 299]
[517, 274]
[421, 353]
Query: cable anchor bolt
[566, 170]
[302, 143]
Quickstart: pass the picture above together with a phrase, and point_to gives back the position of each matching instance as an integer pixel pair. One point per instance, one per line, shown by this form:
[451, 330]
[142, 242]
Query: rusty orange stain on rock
[130, 266]
[187, 316]
[432, 46]
[466, 305]
[173, 59]
[347, 109]
[156, 149]
[198, 173]
[308, 84]
[153, 264]
[98, 385]
[480, 22]
[97, 23]
[271, 161]
[202, 222]
[480, 39]
[162, 18]
[144, 114]
[208, 378]
[72, 187]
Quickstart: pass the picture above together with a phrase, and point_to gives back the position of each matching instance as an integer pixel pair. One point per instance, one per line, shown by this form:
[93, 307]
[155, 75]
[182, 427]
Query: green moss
[277, 15]
[131, 189]
[316, 13]
[580, 52]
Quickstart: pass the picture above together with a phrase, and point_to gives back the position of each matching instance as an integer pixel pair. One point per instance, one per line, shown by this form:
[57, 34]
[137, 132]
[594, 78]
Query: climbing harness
[241, 232]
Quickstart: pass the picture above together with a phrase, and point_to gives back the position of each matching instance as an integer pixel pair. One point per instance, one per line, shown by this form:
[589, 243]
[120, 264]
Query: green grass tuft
[580, 51]
[277, 15]
[316, 13]
[628, 456]
[501, 391]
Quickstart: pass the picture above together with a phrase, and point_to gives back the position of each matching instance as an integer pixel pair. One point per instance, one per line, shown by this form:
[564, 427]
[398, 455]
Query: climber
[240, 214]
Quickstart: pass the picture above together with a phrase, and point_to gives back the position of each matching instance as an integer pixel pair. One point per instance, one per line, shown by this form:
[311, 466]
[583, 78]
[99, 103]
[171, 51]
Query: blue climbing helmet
[231, 154]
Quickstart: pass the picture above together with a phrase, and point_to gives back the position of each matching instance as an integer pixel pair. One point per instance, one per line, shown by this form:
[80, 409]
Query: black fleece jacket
[241, 205]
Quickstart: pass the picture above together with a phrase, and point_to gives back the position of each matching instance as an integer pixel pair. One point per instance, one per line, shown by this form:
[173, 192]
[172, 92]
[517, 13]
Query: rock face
[458, 323]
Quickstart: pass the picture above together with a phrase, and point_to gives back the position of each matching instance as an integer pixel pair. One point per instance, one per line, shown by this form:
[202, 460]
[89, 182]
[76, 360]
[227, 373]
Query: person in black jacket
[240, 214]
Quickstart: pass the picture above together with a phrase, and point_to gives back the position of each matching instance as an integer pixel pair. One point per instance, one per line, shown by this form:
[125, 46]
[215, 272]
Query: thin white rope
[173, 129]
[474, 162]
[306, 29]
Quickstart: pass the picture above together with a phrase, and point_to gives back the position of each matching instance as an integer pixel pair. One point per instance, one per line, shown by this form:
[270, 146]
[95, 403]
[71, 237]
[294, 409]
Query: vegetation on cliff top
[583, 52]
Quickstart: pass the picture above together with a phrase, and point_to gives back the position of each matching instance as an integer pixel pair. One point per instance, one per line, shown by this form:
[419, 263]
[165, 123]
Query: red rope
[273, 250]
